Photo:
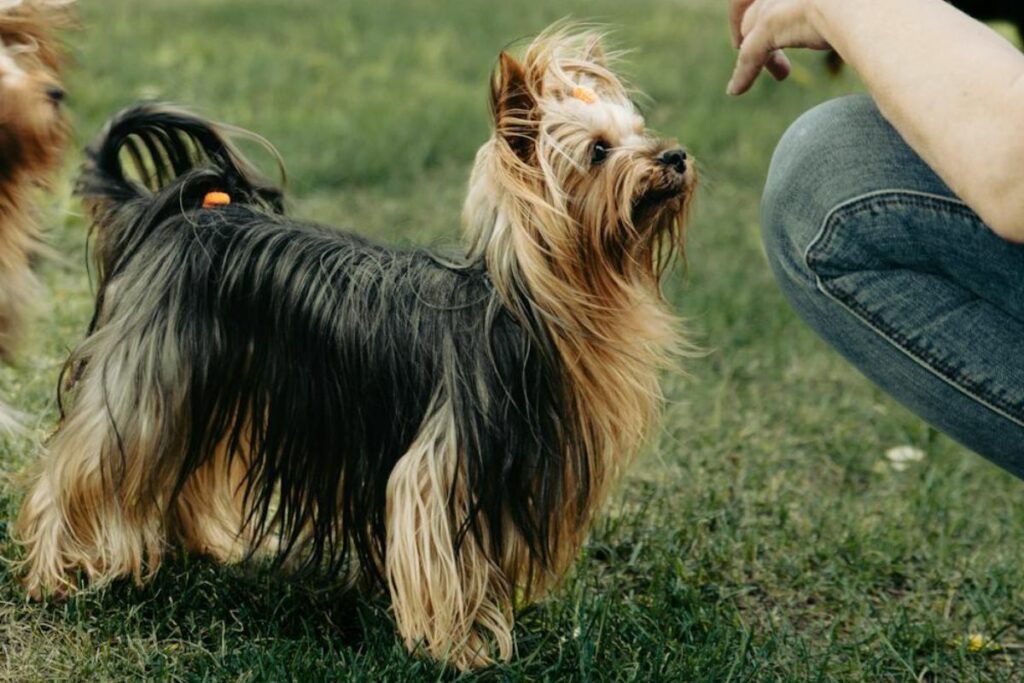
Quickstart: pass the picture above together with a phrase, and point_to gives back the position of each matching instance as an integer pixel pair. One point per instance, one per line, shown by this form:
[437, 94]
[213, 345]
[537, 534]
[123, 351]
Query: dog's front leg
[450, 599]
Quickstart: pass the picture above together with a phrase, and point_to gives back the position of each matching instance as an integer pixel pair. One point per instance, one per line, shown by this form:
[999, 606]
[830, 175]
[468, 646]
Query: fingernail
[730, 89]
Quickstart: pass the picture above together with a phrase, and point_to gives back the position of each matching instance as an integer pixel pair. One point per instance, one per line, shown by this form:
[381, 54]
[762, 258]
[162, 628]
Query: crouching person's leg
[902, 278]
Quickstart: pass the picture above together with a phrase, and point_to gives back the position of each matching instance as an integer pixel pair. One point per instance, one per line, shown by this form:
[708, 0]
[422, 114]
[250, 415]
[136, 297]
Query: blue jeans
[900, 276]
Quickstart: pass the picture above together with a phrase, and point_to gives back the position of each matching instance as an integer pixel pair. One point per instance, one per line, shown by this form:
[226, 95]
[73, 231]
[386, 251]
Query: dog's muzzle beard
[659, 206]
[666, 190]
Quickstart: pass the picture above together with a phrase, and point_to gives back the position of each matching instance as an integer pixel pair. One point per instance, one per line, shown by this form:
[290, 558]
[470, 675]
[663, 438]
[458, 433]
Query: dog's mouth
[667, 193]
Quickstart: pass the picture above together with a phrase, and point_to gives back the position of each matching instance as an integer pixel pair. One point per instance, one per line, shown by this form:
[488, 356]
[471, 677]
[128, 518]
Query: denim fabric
[900, 276]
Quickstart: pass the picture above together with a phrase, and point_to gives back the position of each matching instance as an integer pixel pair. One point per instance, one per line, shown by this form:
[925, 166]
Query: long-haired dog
[443, 427]
[33, 132]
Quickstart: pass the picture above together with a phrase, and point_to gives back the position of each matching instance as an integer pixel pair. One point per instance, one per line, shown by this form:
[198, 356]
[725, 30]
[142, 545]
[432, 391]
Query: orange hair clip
[584, 94]
[213, 199]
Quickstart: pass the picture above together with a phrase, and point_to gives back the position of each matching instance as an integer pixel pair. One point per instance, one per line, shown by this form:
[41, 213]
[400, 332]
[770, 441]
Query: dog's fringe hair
[315, 355]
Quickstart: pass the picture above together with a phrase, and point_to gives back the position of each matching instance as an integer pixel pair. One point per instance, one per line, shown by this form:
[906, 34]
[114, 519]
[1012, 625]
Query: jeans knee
[829, 155]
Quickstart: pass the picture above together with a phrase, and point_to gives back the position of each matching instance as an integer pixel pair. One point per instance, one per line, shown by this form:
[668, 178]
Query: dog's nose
[676, 158]
[55, 94]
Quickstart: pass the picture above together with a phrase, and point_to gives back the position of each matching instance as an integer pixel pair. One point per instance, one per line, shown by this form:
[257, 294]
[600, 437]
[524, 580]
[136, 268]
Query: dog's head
[572, 185]
[33, 127]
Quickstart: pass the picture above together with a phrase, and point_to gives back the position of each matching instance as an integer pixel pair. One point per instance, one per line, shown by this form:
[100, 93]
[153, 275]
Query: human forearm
[951, 86]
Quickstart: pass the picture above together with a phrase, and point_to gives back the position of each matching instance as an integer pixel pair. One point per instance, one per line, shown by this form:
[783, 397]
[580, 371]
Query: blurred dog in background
[33, 132]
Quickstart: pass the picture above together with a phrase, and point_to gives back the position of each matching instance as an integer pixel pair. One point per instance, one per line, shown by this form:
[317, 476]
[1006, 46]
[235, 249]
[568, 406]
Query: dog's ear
[513, 106]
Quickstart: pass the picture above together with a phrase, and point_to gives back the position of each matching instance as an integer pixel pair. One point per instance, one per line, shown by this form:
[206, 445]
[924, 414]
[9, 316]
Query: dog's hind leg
[96, 501]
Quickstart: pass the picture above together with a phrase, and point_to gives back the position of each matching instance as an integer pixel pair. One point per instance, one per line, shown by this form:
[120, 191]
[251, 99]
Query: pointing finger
[753, 55]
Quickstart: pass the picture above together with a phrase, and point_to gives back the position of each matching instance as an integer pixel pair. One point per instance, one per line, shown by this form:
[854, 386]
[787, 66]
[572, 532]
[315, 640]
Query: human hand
[761, 29]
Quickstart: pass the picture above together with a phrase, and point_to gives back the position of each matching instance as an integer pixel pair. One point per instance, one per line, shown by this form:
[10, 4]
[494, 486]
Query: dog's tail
[154, 162]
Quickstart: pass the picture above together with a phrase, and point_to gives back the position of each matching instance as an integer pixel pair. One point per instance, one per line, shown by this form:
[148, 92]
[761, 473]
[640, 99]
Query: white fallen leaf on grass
[901, 457]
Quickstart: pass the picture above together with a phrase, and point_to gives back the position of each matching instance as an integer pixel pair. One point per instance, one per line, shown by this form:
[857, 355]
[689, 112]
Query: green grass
[761, 537]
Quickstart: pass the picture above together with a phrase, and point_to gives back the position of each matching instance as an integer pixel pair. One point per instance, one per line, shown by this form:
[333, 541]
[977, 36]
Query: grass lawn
[762, 536]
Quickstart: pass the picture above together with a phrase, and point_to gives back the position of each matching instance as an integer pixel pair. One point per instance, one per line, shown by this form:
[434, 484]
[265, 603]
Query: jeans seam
[934, 366]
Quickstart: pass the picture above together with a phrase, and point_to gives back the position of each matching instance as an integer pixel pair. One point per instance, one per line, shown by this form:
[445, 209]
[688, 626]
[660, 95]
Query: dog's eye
[600, 152]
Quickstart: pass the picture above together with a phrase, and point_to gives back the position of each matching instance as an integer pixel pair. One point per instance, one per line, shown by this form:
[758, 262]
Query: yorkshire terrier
[443, 427]
[33, 132]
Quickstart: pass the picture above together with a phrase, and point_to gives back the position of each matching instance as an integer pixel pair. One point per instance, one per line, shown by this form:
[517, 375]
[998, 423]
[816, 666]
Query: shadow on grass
[617, 617]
